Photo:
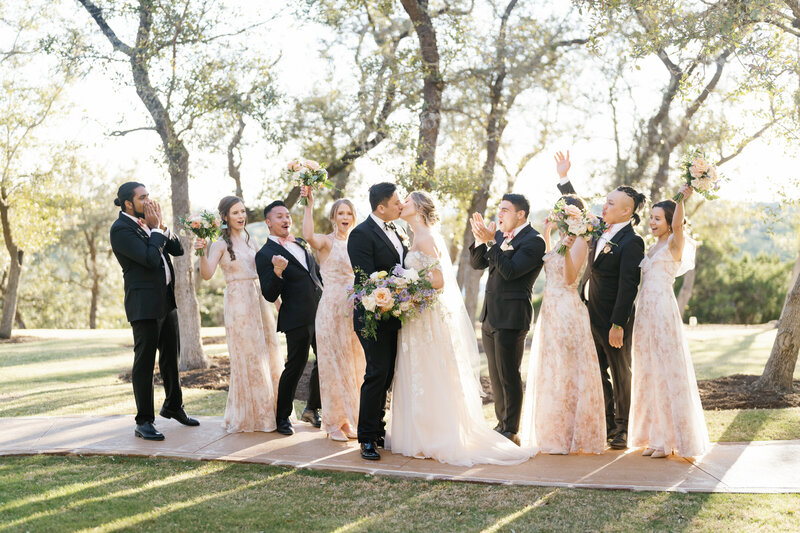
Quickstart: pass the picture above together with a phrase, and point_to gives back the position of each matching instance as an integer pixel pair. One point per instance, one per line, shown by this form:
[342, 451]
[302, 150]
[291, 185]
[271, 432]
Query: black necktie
[390, 225]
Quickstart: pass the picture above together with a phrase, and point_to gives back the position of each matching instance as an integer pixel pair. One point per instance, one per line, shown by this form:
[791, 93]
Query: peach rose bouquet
[307, 172]
[700, 175]
[204, 225]
[402, 293]
[571, 220]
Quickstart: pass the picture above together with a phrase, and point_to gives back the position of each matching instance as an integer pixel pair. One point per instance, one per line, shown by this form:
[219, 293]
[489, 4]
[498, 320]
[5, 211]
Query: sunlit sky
[100, 104]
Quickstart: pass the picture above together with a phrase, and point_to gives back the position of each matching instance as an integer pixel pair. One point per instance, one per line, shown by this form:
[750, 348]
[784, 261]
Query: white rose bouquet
[403, 294]
[306, 172]
[700, 175]
[574, 221]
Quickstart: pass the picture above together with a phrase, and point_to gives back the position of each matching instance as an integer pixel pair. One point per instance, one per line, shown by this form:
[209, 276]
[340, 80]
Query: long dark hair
[573, 199]
[638, 201]
[224, 208]
[669, 210]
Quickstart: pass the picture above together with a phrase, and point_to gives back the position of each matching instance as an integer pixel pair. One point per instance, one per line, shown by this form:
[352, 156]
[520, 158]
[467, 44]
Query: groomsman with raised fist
[287, 270]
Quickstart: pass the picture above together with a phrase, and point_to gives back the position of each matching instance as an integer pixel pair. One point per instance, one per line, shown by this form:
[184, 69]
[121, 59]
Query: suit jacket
[147, 295]
[512, 273]
[299, 289]
[613, 277]
[370, 250]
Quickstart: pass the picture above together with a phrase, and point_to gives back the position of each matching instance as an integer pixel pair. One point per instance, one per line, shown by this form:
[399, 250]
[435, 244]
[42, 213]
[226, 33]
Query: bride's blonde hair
[426, 207]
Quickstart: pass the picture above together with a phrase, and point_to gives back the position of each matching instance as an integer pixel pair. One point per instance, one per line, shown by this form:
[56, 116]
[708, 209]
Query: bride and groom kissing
[430, 362]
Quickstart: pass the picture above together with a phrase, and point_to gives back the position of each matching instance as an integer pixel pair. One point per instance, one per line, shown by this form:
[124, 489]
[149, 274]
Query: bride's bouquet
[700, 175]
[204, 225]
[574, 221]
[404, 293]
[306, 172]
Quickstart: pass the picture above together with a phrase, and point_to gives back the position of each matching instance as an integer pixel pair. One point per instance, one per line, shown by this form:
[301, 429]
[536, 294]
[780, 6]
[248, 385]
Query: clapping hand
[480, 230]
[562, 164]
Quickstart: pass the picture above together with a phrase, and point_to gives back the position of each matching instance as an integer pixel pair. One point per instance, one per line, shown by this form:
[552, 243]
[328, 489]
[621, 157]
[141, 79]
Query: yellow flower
[382, 274]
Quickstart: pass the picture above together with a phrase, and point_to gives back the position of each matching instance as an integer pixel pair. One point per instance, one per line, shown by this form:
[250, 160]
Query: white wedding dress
[436, 405]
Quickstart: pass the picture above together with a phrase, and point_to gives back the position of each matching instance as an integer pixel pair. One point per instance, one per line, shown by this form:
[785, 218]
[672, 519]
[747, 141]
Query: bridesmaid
[253, 349]
[666, 413]
[563, 411]
[340, 356]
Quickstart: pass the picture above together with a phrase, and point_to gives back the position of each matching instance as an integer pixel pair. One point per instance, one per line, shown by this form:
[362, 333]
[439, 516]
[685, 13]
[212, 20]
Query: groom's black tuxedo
[507, 314]
[299, 290]
[151, 310]
[613, 279]
[371, 250]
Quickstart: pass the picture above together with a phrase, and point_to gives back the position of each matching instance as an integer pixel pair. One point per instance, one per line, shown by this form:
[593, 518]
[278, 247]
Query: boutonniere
[403, 238]
[506, 246]
[304, 244]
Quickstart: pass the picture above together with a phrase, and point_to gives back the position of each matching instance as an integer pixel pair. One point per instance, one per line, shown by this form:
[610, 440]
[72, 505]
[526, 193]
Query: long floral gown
[563, 410]
[256, 361]
[340, 355]
[666, 413]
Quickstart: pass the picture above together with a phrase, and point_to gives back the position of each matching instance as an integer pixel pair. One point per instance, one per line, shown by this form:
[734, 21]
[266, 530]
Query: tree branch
[122, 133]
[97, 14]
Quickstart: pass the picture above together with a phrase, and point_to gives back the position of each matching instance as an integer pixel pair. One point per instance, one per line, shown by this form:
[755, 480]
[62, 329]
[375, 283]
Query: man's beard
[137, 214]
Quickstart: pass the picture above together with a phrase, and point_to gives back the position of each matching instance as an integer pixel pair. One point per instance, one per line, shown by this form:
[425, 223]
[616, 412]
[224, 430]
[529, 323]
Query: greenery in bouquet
[204, 225]
[700, 175]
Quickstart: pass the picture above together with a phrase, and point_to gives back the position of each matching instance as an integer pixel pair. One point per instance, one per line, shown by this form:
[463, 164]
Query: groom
[514, 256]
[374, 245]
[609, 287]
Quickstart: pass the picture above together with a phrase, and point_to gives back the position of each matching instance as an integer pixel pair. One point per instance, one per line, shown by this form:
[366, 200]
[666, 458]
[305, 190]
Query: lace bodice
[244, 267]
[418, 260]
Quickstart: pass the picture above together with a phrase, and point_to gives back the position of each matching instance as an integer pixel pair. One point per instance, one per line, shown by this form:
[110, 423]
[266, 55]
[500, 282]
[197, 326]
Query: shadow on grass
[46, 401]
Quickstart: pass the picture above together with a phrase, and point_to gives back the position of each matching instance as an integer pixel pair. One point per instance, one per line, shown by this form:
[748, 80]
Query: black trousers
[298, 341]
[617, 384]
[381, 354]
[148, 336]
[504, 349]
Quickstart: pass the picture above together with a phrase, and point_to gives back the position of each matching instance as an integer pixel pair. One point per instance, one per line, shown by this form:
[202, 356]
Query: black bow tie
[390, 225]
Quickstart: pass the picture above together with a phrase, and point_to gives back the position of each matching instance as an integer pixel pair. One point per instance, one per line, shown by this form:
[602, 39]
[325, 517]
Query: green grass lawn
[74, 372]
[111, 494]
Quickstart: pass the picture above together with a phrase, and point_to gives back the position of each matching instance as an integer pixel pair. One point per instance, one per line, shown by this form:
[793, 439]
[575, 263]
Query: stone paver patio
[755, 467]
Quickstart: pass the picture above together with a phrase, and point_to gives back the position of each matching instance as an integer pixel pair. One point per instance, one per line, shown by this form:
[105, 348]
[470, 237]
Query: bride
[436, 406]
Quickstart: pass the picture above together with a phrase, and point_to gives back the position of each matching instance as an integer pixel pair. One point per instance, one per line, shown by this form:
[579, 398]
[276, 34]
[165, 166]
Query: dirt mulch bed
[735, 392]
[727, 392]
[19, 339]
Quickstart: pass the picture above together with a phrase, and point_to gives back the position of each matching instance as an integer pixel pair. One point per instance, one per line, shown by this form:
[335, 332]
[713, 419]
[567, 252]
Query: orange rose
[383, 298]
[195, 224]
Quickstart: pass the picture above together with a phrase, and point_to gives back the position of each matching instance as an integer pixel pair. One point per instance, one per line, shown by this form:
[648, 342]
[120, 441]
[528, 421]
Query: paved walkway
[757, 467]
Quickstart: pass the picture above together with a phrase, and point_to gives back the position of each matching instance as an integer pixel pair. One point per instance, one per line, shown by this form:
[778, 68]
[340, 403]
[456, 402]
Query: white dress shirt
[393, 237]
[295, 249]
[607, 236]
[147, 230]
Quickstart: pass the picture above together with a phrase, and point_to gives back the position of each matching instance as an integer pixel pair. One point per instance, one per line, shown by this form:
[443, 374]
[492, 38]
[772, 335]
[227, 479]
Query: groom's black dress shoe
[312, 417]
[179, 415]
[620, 441]
[610, 434]
[369, 451]
[513, 437]
[146, 431]
[499, 427]
[284, 426]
